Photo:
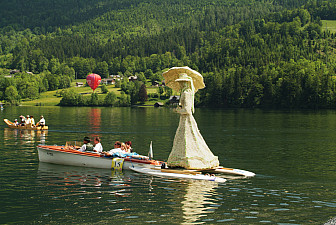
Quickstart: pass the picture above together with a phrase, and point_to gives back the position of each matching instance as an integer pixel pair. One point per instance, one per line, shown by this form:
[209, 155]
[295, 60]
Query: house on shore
[108, 81]
[79, 84]
[155, 83]
[158, 104]
[174, 99]
[132, 78]
[116, 77]
[14, 71]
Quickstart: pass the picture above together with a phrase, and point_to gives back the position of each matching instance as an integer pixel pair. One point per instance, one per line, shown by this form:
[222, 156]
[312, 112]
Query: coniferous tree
[143, 97]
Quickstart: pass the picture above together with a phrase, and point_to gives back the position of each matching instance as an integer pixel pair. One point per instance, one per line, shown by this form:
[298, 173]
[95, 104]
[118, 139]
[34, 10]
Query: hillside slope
[251, 53]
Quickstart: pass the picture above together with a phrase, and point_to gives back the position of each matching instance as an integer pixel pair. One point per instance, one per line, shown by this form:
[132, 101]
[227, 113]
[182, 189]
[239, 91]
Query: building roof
[174, 97]
[158, 104]
[108, 79]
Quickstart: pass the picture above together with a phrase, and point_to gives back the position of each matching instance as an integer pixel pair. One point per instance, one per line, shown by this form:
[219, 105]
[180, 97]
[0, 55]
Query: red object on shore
[93, 80]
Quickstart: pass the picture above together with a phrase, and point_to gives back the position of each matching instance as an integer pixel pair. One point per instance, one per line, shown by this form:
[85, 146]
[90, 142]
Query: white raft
[176, 174]
[230, 171]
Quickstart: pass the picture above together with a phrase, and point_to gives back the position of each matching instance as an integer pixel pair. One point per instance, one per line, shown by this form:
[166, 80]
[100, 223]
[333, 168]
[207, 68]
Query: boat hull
[61, 155]
[11, 125]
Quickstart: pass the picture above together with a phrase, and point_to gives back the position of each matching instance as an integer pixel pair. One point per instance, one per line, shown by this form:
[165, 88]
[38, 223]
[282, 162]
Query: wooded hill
[251, 53]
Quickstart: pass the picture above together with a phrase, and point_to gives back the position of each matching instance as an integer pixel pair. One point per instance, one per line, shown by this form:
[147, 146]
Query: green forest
[251, 53]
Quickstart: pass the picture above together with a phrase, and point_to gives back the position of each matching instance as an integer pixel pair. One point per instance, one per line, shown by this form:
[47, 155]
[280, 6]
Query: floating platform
[229, 171]
[175, 173]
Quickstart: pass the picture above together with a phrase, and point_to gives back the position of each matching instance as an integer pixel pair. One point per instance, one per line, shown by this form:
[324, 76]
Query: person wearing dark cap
[87, 146]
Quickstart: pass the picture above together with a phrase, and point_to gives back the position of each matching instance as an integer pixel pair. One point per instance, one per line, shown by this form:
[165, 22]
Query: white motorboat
[67, 156]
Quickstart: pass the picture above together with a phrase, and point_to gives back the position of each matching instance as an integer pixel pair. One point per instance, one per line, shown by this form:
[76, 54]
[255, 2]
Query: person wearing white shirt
[28, 121]
[98, 146]
[41, 123]
[32, 121]
[117, 148]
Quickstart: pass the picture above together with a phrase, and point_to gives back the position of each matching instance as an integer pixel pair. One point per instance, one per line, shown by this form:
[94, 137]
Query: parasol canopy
[174, 73]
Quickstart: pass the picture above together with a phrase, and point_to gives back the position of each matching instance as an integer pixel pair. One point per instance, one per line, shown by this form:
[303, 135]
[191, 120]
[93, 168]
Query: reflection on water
[103, 196]
[198, 200]
[21, 136]
[293, 154]
[59, 175]
[119, 192]
[95, 119]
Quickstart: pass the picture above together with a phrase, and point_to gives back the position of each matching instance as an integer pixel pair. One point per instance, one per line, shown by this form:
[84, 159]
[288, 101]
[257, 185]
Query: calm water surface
[292, 153]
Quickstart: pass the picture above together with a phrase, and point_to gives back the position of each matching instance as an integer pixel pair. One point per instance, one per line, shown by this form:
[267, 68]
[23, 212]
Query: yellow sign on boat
[117, 163]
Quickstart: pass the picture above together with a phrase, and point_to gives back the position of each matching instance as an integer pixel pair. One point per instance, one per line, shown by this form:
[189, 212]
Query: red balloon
[93, 80]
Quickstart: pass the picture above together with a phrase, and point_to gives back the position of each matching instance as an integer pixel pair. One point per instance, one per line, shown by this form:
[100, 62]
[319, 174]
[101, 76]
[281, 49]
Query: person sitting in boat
[32, 121]
[129, 146]
[120, 150]
[16, 123]
[23, 121]
[41, 123]
[117, 145]
[116, 149]
[87, 146]
[98, 146]
[28, 121]
[124, 148]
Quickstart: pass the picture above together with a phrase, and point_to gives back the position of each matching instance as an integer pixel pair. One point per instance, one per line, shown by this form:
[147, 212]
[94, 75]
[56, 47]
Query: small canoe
[12, 125]
[184, 174]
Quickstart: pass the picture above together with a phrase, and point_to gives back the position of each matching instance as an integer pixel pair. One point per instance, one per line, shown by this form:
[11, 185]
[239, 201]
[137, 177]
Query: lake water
[292, 153]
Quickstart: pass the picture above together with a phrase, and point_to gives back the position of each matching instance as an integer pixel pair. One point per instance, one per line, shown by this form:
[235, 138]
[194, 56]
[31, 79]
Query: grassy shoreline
[53, 98]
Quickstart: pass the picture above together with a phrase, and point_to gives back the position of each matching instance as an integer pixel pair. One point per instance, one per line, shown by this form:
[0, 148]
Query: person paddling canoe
[41, 123]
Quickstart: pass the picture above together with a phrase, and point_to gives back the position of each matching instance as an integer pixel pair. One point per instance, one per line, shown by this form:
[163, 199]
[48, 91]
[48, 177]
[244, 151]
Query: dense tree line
[322, 9]
[251, 53]
[22, 86]
[44, 16]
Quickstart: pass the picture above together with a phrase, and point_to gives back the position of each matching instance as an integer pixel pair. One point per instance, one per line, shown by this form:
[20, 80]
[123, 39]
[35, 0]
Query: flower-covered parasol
[174, 73]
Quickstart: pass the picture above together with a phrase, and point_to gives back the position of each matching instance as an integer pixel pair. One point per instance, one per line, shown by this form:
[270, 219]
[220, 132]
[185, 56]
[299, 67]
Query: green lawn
[48, 98]
[329, 25]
